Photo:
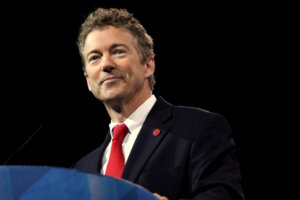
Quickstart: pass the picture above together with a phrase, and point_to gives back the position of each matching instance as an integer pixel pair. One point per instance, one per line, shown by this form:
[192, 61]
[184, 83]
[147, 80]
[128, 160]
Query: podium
[52, 183]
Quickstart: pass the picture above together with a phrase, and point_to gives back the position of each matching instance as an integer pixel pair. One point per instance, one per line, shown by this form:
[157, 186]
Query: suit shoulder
[195, 112]
[191, 114]
[195, 120]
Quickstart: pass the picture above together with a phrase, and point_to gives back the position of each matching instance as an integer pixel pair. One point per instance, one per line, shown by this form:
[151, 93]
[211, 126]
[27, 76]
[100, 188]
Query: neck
[122, 109]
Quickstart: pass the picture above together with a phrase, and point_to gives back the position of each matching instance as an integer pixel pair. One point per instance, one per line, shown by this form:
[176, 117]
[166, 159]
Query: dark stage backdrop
[208, 55]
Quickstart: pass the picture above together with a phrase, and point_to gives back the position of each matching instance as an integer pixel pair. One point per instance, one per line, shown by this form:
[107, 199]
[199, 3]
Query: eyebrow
[110, 48]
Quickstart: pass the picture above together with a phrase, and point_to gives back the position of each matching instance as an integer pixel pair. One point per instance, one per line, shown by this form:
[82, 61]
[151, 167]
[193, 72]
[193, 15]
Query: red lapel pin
[156, 132]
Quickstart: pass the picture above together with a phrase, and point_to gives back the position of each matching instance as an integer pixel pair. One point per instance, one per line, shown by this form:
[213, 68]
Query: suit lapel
[102, 150]
[146, 143]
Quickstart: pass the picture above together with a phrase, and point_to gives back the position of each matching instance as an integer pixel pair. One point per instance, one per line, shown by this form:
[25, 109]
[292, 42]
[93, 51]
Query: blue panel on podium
[51, 183]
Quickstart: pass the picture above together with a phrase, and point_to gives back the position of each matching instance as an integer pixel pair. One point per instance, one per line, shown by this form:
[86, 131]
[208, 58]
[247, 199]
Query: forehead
[107, 36]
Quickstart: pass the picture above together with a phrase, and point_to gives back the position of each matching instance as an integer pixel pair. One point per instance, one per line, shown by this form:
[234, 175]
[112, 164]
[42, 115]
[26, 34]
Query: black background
[217, 56]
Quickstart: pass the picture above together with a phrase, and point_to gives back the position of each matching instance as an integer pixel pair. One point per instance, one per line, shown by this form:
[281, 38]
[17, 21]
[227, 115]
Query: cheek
[136, 77]
[93, 74]
[132, 76]
[92, 79]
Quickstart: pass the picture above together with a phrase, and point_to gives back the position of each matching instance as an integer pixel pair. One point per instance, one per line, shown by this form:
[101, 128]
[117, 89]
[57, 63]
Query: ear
[87, 80]
[150, 67]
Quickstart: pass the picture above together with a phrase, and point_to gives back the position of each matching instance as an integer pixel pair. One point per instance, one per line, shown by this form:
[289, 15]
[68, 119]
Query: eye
[118, 51]
[95, 57]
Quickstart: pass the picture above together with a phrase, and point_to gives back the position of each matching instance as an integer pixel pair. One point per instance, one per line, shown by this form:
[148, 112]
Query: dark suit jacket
[193, 157]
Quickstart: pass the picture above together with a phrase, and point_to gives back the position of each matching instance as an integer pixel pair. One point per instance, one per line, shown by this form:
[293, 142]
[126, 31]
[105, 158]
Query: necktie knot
[119, 132]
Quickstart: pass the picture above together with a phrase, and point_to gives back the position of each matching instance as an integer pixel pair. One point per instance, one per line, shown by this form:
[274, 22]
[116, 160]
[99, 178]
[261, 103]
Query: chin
[111, 97]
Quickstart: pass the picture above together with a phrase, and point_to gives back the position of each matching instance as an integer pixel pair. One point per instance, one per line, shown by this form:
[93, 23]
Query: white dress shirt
[134, 123]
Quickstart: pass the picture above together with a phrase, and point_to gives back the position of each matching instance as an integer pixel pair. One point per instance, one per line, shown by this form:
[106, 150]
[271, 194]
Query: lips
[109, 78]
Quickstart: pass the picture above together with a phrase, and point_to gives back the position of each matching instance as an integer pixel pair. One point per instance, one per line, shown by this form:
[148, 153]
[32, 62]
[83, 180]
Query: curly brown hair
[102, 17]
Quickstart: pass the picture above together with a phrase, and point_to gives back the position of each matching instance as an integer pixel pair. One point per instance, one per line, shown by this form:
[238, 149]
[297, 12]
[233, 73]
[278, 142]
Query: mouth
[109, 79]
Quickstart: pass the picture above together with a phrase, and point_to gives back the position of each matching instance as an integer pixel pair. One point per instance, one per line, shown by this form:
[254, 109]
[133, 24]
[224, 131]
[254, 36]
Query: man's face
[113, 67]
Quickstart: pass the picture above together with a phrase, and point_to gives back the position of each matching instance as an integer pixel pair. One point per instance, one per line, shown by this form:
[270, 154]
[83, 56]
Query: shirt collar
[138, 117]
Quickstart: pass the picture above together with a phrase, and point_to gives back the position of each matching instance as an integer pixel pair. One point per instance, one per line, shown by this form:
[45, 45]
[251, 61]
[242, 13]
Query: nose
[107, 65]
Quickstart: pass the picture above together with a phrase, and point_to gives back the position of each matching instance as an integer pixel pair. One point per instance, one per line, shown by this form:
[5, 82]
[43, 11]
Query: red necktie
[116, 160]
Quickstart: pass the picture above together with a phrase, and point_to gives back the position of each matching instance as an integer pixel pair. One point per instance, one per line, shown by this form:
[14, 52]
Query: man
[173, 151]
